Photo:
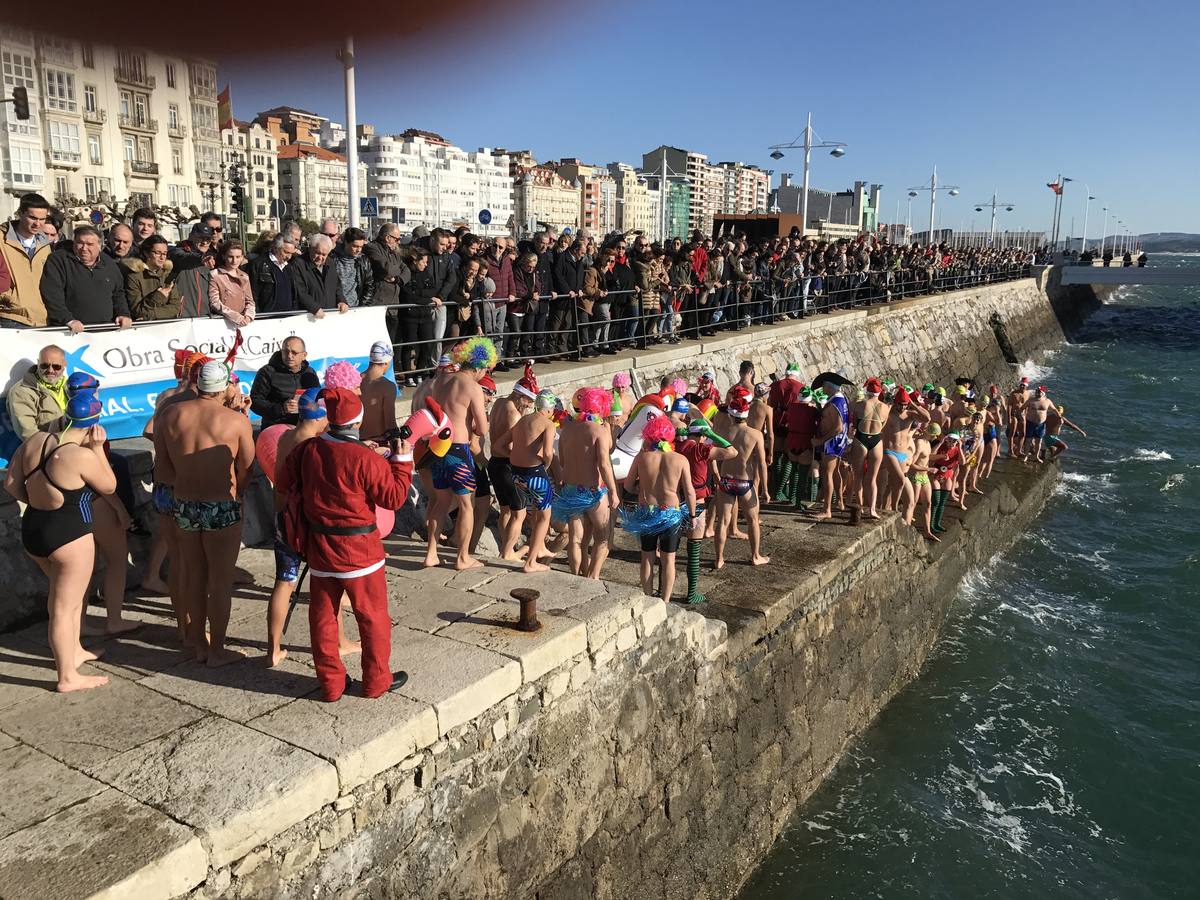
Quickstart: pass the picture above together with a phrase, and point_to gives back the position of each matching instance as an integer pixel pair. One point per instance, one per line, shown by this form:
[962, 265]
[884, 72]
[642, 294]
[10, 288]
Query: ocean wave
[1151, 455]
[1173, 482]
[1031, 370]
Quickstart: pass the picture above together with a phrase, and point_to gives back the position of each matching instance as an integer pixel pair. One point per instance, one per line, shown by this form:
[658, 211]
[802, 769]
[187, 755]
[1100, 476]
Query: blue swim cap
[83, 409]
[311, 406]
[80, 382]
[681, 406]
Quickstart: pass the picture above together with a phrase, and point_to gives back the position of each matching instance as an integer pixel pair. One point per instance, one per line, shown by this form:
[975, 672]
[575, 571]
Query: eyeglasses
[332, 237]
[51, 367]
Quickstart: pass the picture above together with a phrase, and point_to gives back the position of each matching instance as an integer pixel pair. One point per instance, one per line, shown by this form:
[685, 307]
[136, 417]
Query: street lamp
[806, 142]
[1087, 203]
[994, 204]
[933, 187]
[1060, 185]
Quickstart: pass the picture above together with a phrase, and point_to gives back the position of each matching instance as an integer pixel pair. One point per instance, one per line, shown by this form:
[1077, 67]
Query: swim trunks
[455, 471]
[574, 500]
[533, 486]
[659, 527]
[919, 478]
[1037, 430]
[207, 515]
[483, 482]
[734, 487]
[287, 562]
[868, 440]
[989, 434]
[500, 474]
[1052, 439]
[901, 458]
[164, 499]
[664, 542]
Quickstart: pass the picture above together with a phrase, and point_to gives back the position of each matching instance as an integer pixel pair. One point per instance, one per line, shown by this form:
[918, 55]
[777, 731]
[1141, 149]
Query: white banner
[135, 364]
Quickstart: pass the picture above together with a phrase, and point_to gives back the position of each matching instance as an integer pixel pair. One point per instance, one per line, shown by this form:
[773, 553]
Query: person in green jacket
[150, 293]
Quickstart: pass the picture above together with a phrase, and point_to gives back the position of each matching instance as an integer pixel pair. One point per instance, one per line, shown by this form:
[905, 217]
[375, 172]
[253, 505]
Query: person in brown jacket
[24, 250]
[229, 293]
[147, 289]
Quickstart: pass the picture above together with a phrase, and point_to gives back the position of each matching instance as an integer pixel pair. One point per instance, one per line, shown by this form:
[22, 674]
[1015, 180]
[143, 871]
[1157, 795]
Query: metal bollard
[528, 598]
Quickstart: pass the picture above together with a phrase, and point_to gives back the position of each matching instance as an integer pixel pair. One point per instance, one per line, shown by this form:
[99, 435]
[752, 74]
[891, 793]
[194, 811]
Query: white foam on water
[1035, 373]
[1173, 482]
[1151, 455]
[1146, 379]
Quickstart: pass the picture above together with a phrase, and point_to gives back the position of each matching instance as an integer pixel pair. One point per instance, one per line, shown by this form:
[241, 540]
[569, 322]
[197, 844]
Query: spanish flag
[224, 109]
[1053, 185]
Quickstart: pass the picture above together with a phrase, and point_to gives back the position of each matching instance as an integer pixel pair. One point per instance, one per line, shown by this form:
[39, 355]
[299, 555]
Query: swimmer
[589, 494]
[866, 451]
[741, 479]
[506, 412]
[1017, 398]
[1055, 420]
[1036, 411]
[378, 394]
[530, 448]
[918, 472]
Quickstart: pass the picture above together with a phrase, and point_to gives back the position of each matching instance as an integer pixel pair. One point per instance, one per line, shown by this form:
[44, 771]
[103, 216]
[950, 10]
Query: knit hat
[311, 405]
[342, 375]
[489, 286]
[381, 352]
[83, 409]
[527, 384]
[342, 406]
[81, 382]
[214, 377]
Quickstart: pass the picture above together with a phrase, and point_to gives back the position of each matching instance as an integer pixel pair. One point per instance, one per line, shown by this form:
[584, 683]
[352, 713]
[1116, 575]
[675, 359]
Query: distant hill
[1171, 242]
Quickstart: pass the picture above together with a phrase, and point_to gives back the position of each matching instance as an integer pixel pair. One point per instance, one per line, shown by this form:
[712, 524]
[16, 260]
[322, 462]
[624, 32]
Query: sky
[1001, 97]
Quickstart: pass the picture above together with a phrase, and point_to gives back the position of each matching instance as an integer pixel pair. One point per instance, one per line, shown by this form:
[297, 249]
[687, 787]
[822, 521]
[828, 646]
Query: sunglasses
[51, 367]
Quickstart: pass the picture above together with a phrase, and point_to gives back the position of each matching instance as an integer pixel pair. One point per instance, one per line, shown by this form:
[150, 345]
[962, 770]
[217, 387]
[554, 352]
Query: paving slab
[88, 728]
[109, 846]
[153, 648]
[559, 590]
[35, 787]
[234, 785]
[240, 691]
[26, 671]
[458, 680]
[472, 579]
[606, 614]
[493, 628]
[430, 607]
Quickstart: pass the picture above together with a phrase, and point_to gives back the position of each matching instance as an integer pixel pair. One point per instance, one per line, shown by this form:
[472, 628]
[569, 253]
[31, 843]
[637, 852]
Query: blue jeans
[11, 323]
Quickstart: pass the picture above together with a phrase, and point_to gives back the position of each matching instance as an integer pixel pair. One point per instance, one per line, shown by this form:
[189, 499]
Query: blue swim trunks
[455, 471]
[574, 500]
[1037, 430]
[287, 563]
[533, 486]
[164, 499]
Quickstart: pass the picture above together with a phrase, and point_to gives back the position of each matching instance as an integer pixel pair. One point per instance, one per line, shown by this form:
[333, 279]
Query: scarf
[56, 389]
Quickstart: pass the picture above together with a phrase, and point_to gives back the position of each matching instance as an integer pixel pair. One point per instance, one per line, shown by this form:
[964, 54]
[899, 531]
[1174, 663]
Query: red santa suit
[781, 395]
[342, 483]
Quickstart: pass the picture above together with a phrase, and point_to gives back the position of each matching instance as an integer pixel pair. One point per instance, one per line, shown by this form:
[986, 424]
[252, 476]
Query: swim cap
[214, 377]
[81, 382]
[708, 375]
[1060, 410]
[681, 406]
[311, 405]
[926, 388]
[620, 380]
[342, 374]
[933, 429]
[761, 389]
[545, 401]
[961, 390]
[83, 409]
[381, 352]
[444, 361]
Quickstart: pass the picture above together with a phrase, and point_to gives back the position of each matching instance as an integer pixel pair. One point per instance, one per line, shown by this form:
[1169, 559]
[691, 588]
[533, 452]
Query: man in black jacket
[278, 384]
[353, 268]
[419, 294]
[568, 283]
[270, 278]
[445, 277]
[84, 286]
[315, 281]
[390, 271]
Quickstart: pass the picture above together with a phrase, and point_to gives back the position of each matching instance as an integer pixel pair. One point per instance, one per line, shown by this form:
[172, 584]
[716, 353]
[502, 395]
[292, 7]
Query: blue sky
[1000, 96]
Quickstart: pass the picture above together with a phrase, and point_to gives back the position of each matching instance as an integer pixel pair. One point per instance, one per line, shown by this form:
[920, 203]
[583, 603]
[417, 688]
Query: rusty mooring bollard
[528, 599]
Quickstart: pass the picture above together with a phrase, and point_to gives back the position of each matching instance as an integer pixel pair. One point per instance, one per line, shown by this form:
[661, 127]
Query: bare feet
[349, 647]
[120, 626]
[531, 566]
[718, 565]
[931, 536]
[275, 658]
[820, 517]
[223, 656]
[516, 555]
[431, 560]
[976, 491]
[87, 629]
[84, 655]
[709, 533]
[469, 562]
[558, 542]
[759, 560]
[739, 535]
[79, 682]
[155, 586]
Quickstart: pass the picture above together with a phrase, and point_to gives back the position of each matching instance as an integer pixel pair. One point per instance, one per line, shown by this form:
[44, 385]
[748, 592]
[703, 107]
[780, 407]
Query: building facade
[706, 183]
[598, 195]
[313, 183]
[290, 125]
[747, 189]
[843, 213]
[542, 197]
[253, 148]
[420, 178]
[110, 128]
[632, 199]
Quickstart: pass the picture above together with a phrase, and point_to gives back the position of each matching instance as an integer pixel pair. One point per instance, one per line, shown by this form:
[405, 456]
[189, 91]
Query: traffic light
[237, 198]
[20, 99]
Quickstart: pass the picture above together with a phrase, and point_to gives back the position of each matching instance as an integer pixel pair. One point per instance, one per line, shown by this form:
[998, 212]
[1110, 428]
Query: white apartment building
[118, 126]
[543, 197]
[421, 178]
[597, 195]
[313, 183]
[252, 147]
[746, 189]
[632, 199]
[706, 182]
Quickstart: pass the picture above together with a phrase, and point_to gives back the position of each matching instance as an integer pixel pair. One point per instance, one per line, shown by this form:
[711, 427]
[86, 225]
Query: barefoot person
[206, 452]
[918, 474]
[898, 449]
[1036, 411]
[700, 447]
[742, 477]
[378, 393]
[1017, 399]
[334, 483]
[454, 474]
[992, 417]
[1055, 420]
[589, 489]
[506, 412]
[530, 448]
[662, 481]
[833, 439]
[58, 477]
[866, 452]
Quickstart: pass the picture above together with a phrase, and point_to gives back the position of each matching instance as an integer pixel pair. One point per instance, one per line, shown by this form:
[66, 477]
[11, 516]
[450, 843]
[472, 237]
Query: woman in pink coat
[229, 289]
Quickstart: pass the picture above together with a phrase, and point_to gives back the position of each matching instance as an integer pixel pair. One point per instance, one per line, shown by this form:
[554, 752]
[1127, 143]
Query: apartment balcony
[177, 131]
[57, 56]
[208, 173]
[95, 116]
[134, 77]
[204, 91]
[138, 123]
[207, 134]
[140, 167]
[62, 158]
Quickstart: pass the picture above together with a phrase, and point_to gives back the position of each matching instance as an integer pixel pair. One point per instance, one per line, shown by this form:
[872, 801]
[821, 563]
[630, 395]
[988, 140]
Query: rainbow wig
[593, 404]
[474, 353]
[622, 380]
[659, 431]
[342, 375]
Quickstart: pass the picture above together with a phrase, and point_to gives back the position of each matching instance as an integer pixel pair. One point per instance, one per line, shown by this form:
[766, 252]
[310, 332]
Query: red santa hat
[902, 396]
[527, 384]
[739, 407]
[342, 406]
[873, 386]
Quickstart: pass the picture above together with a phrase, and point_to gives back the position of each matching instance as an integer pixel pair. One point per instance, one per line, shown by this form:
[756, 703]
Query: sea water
[1051, 746]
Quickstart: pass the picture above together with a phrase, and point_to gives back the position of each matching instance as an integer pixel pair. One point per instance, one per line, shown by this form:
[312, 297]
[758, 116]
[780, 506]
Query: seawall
[630, 749]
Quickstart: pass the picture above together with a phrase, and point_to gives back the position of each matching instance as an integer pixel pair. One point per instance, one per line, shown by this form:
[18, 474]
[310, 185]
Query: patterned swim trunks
[533, 486]
[207, 515]
[455, 471]
[164, 499]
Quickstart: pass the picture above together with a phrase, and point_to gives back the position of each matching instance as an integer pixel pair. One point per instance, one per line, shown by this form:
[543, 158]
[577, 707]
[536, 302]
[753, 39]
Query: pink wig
[593, 401]
[680, 387]
[621, 380]
[659, 429]
[342, 375]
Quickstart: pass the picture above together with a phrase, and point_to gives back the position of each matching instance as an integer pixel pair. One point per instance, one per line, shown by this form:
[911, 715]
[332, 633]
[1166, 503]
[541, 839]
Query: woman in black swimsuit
[58, 476]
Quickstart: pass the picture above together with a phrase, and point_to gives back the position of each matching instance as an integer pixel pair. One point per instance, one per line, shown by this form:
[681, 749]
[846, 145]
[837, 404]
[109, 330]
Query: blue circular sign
[96, 217]
[485, 216]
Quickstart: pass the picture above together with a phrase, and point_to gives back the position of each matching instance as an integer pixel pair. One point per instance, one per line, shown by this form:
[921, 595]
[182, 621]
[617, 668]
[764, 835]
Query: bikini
[45, 530]
[901, 458]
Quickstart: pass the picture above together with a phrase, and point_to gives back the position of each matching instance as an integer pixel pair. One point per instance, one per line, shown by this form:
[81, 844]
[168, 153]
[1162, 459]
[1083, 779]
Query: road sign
[397, 215]
[96, 217]
[368, 206]
[485, 216]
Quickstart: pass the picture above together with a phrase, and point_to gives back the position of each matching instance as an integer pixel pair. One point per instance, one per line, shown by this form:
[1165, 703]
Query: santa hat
[488, 385]
[343, 407]
[902, 396]
[738, 407]
[527, 385]
[792, 371]
[873, 386]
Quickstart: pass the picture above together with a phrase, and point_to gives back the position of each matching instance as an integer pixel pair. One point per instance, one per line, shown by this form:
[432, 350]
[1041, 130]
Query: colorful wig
[474, 353]
[342, 374]
[660, 430]
[621, 380]
[679, 386]
[593, 404]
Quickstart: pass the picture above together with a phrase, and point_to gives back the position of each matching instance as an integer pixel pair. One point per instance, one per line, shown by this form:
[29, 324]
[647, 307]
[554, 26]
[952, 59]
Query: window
[93, 187]
[262, 211]
[126, 104]
[260, 193]
[94, 155]
[185, 194]
[89, 98]
[60, 187]
[130, 149]
[145, 150]
[172, 116]
[177, 160]
[60, 90]
[18, 70]
[64, 141]
[172, 197]
[258, 176]
[26, 164]
[257, 143]
[170, 74]
[89, 58]
[139, 108]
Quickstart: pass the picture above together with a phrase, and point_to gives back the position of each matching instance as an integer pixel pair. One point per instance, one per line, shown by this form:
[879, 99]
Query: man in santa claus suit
[342, 482]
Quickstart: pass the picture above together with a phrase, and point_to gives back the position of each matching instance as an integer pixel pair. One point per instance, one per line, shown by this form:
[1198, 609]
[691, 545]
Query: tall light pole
[1103, 228]
[908, 217]
[995, 204]
[1086, 204]
[1058, 206]
[347, 58]
[808, 142]
[933, 187]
